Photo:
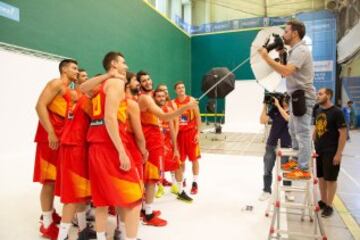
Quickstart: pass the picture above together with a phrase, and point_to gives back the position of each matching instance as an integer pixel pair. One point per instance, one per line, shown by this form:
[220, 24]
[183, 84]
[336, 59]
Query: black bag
[298, 103]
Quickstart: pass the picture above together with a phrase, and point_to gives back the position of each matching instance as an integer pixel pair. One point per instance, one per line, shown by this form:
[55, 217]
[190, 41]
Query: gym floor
[230, 180]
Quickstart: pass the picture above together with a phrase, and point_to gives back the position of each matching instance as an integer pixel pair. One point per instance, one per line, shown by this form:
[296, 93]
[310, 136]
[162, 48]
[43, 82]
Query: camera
[278, 43]
[269, 98]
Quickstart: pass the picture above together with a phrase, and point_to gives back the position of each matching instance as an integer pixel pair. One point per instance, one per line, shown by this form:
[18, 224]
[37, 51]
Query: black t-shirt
[279, 130]
[327, 125]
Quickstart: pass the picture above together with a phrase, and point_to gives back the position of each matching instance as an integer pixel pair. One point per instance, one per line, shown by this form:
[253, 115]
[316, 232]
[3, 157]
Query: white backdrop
[22, 79]
[243, 108]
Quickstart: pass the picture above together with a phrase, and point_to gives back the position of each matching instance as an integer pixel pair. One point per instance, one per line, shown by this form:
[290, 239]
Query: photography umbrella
[222, 88]
[264, 74]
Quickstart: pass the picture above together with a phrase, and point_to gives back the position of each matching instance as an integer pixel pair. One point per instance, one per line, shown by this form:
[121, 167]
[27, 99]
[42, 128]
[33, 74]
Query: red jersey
[77, 124]
[97, 132]
[165, 128]
[58, 110]
[187, 119]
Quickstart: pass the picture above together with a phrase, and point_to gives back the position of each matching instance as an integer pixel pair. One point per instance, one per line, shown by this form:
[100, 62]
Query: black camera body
[269, 98]
[278, 43]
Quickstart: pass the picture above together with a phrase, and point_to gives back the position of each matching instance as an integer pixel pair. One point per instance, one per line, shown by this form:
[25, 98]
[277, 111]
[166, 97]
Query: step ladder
[308, 208]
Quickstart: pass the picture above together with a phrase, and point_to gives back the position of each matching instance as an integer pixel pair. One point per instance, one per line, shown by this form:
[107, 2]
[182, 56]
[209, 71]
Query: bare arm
[176, 120]
[114, 90]
[92, 83]
[198, 121]
[264, 118]
[148, 103]
[282, 111]
[48, 94]
[134, 114]
[341, 146]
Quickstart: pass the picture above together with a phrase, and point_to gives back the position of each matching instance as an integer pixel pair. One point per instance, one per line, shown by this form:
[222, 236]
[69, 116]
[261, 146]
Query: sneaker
[160, 192]
[174, 189]
[152, 220]
[321, 204]
[166, 183]
[51, 232]
[327, 211]
[156, 213]
[55, 217]
[298, 174]
[264, 196]
[290, 165]
[87, 233]
[184, 197]
[194, 188]
[117, 235]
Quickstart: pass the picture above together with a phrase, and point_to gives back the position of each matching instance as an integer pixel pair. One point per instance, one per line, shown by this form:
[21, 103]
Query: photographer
[299, 75]
[275, 110]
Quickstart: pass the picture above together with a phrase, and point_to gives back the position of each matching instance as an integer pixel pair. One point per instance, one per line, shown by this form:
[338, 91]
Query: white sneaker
[264, 196]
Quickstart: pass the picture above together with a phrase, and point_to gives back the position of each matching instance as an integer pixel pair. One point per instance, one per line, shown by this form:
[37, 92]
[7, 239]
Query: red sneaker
[51, 232]
[55, 217]
[156, 213]
[154, 221]
[194, 188]
[166, 183]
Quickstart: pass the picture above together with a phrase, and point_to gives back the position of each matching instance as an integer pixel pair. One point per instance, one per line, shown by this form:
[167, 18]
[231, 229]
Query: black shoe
[117, 235]
[184, 197]
[327, 212]
[322, 205]
[86, 234]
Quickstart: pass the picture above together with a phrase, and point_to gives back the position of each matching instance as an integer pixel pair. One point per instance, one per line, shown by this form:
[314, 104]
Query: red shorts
[110, 186]
[153, 165]
[46, 161]
[136, 154]
[72, 184]
[155, 146]
[188, 148]
[170, 163]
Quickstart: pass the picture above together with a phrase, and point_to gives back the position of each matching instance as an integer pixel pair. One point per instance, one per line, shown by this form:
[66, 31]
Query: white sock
[47, 218]
[122, 230]
[63, 231]
[196, 178]
[100, 236]
[148, 209]
[81, 217]
[180, 186]
[173, 179]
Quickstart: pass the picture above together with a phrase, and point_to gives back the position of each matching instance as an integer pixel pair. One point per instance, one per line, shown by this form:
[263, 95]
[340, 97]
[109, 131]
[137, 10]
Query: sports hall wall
[228, 49]
[87, 29]
[220, 50]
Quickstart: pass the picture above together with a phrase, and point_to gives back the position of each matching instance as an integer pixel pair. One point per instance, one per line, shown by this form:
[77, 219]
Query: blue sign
[9, 11]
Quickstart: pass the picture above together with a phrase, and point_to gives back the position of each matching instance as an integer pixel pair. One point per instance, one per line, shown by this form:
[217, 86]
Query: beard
[146, 90]
[135, 91]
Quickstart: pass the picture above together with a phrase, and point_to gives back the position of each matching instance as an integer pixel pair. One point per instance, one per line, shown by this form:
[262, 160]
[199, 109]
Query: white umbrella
[264, 74]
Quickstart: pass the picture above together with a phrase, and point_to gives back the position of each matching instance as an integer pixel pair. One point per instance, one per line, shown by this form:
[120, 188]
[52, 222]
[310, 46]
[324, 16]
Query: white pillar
[187, 11]
[175, 9]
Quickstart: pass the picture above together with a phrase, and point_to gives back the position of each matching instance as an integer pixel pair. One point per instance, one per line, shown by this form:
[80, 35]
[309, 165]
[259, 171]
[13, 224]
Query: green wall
[87, 29]
[220, 50]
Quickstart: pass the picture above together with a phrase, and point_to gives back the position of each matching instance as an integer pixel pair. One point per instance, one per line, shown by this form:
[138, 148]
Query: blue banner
[9, 11]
